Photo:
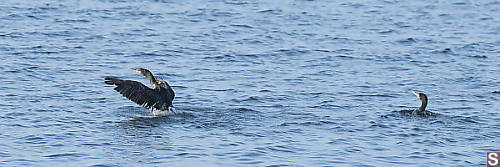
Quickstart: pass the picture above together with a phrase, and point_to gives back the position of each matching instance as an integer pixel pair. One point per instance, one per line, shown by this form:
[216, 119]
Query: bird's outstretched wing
[138, 93]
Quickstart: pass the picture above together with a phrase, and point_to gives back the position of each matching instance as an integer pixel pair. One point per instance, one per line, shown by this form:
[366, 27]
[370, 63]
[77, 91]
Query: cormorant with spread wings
[158, 97]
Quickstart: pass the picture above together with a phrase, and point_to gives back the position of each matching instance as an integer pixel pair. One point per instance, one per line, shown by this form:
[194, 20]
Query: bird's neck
[154, 85]
[424, 104]
[152, 80]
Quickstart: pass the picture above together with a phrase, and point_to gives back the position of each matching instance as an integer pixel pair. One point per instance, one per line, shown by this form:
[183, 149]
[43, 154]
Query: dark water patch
[237, 2]
[323, 50]
[4, 155]
[456, 108]
[146, 55]
[329, 106]
[221, 57]
[12, 35]
[444, 51]
[221, 90]
[292, 52]
[353, 57]
[242, 110]
[271, 11]
[344, 51]
[105, 165]
[279, 165]
[283, 148]
[71, 21]
[16, 114]
[63, 155]
[479, 56]
[407, 41]
[32, 139]
[387, 31]
[308, 123]
[242, 25]
[252, 99]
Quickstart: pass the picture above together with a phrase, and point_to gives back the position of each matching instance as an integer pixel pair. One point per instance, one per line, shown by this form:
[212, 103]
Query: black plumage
[421, 110]
[158, 97]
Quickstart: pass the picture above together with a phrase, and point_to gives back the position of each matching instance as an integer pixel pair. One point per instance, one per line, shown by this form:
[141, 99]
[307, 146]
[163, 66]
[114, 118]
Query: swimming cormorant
[421, 110]
[158, 97]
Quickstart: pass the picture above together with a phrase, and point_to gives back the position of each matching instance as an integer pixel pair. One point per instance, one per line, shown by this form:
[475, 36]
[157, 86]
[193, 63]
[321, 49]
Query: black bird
[421, 111]
[158, 97]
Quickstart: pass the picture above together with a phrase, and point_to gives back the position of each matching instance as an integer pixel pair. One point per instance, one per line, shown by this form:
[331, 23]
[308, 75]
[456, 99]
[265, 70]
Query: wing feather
[138, 93]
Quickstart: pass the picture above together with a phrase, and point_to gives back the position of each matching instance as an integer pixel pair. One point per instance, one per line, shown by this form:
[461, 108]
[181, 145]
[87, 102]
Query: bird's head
[422, 98]
[142, 71]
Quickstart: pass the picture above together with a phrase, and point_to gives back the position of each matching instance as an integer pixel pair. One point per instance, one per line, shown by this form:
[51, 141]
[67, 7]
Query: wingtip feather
[112, 81]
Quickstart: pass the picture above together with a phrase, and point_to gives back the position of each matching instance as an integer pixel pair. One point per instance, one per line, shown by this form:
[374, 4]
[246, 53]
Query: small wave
[104, 165]
[66, 155]
[457, 108]
[220, 57]
[241, 25]
[220, 90]
[409, 114]
[444, 51]
[248, 99]
[479, 56]
[308, 123]
[154, 121]
[373, 95]
[283, 148]
[243, 109]
[235, 2]
[329, 106]
[271, 11]
[322, 50]
[407, 41]
[387, 31]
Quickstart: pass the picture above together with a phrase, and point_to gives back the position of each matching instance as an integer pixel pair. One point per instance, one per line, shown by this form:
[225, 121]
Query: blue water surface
[258, 83]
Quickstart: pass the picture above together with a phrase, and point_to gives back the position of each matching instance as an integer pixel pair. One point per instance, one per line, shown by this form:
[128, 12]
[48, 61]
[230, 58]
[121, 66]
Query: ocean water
[258, 83]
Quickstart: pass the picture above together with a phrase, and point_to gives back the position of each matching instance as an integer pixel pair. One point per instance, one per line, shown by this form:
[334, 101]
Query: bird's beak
[136, 70]
[416, 94]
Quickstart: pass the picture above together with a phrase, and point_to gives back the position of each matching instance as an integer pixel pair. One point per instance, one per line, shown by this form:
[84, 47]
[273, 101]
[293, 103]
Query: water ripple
[291, 83]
